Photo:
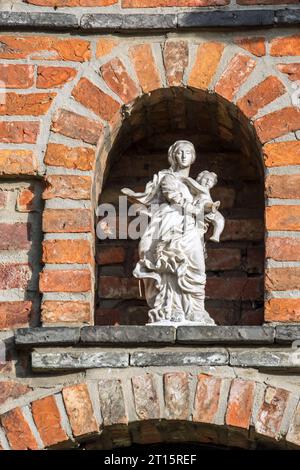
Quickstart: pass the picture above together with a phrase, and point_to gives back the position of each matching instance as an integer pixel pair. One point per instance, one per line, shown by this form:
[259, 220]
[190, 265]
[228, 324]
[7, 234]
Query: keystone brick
[31, 104]
[282, 278]
[77, 127]
[282, 153]
[237, 72]
[206, 63]
[112, 402]
[14, 276]
[145, 397]
[78, 158]
[271, 412]
[289, 45]
[207, 398]
[240, 403]
[15, 236]
[17, 162]
[14, 314]
[90, 96]
[145, 67]
[283, 218]
[118, 79]
[282, 310]
[105, 46]
[48, 421]
[67, 251]
[51, 77]
[278, 123]
[65, 312]
[16, 76]
[118, 288]
[67, 220]
[65, 281]
[12, 389]
[18, 431]
[18, 132]
[177, 395]
[176, 58]
[291, 70]
[255, 45]
[80, 410]
[283, 186]
[261, 95]
[67, 187]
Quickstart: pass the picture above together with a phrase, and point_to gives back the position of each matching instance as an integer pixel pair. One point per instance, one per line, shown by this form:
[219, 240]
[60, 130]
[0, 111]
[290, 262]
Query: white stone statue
[172, 248]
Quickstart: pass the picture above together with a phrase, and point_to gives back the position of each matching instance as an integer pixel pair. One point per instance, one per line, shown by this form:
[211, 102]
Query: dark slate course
[53, 21]
[27, 337]
[226, 18]
[108, 22]
[287, 333]
[69, 360]
[217, 357]
[127, 334]
[287, 17]
[225, 334]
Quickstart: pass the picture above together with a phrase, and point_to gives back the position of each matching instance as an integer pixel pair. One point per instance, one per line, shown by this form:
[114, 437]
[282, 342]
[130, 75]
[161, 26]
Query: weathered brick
[172, 3]
[55, 311]
[206, 63]
[207, 398]
[112, 403]
[72, 3]
[16, 75]
[282, 310]
[145, 67]
[31, 104]
[237, 72]
[67, 187]
[15, 314]
[145, 397]
[17, 162]
[44, 48]
[243, 229]
[26, 200]
[283, 218]
[283, 186]
[15, 236]
[14, 276]
[111, 255]
[293, 434]
[12, 389]
[177, 395]
[3, 199]
[67, 251]
[18, 132]
[289, 45]
[271, 412]
[17, 430]
[234, 288]
[240, 403]
[51, 77]
[80, 410]
[283, 248]
[261, 95]
[65, 281]
[282, 153]
[176, 58]
[108, 316]
[282, 278]
[118, 287]
[291, 70]
[105, 46]
[48, 421]
[117, 78]
[223, 259]
[67, 220]
[90, 96]
[77, 127]
[78, 158]
[255, 45]
[278, 123]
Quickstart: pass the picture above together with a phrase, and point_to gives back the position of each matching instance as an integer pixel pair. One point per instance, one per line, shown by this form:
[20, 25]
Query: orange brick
[18, 431]
[270, 415]
[48, 421]
[291, 70]
[283, 249]
[206, 63]
[240, 403]
[17, 162]
[282, 153]
[261, 95]
[283, 218]
[67, 187]
[65, 280]
[117, 78]
[67, 220]
[65, 312]
[255, 45]
[76, 127]
[25, 200]
[145, 67]
[289, 45]
[12, 389]
[18, 132]
[176, 58]
[78, 158]
[15, 314]
[51, 77]
[67, 251]
[283, 186]
[207, 398]
[282, 310]
[80, 410]
[32, 104]
[105, 46]
[278, 123]
[16, 76]
[72, 3]
[282, 279]
[237, 72]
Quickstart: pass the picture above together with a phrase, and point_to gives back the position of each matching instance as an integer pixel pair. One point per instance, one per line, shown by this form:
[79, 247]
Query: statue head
[207, 178]
[181, 154]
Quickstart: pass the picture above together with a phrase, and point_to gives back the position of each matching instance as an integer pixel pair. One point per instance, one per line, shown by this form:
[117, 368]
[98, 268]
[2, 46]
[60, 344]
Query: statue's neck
[182, 171]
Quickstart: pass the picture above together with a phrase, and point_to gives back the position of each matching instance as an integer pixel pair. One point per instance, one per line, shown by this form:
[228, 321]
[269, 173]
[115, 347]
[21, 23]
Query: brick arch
[147, 408]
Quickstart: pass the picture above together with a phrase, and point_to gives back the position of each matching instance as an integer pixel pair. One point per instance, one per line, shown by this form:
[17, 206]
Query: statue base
[182, 323]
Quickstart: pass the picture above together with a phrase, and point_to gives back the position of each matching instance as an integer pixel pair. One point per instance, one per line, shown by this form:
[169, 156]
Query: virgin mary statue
[172, 251]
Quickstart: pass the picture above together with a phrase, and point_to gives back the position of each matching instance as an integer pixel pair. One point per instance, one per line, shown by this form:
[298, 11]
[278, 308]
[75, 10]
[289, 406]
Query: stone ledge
[266, 359]
[225, 334]
[127, 335]
[216, 357]
[29, 337]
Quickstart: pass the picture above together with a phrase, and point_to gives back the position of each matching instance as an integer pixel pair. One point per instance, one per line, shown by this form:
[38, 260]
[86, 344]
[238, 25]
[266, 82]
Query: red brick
[105, 46]
[67, 220]
[108, 316]
[111, 255]
[234, 288]
[240, 403]
[48, 421]
[72, 3]
[176, 59]
[80, 410]
[207, 60]
[289, 45]
[90, 96]
[14, 276]
[78, 158]
[282, 310]
[237, 72]
[17, 162]
[117, 78]
[118, 287]
[291, 70]
[67, 187]
[31, 104]
[44, 48]
[252, 317]
[3, 199]
[15, 236]
[283, 248]
[278, 123]
[51, 77]
[261, 95]
[282, 279]
[9, 389]
[207, 398]
[271, 412]
[65, 280]
[283, 186]
[16, 76]
[67, 251]
[177, 395]
[77, 127]
[15, 314]
[17, 430]
[255, 45]
[255, 259]
[172, 3]
[243, 229]
[282, 153]
[283, 218]
[145, 397]
[18, 132]
[145, 67]
[223, 259]
[26, 200]
[55, 311]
